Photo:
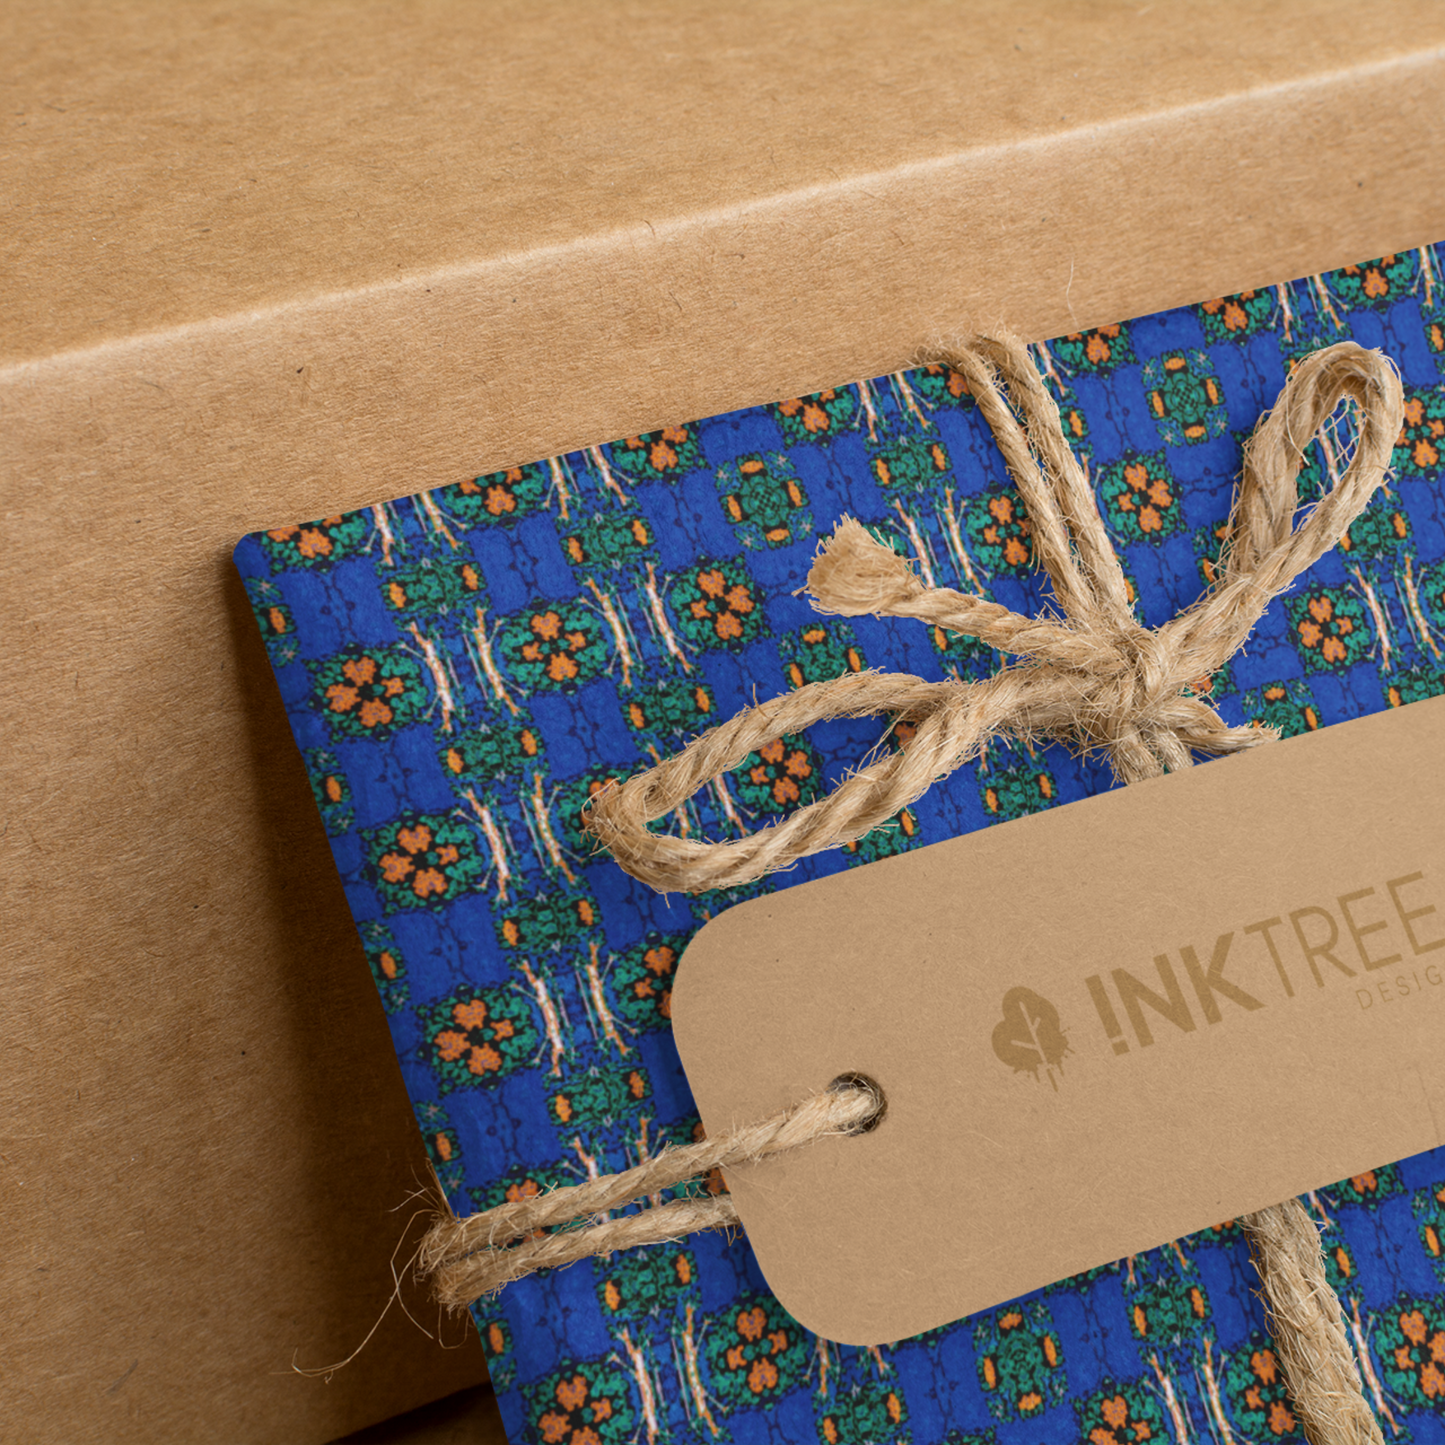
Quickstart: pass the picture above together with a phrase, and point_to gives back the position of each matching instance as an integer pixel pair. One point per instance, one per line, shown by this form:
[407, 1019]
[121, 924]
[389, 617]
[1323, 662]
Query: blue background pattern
[462, 666]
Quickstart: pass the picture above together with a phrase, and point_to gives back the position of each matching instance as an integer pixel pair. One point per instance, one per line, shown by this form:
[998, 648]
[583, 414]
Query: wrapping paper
[464, 667]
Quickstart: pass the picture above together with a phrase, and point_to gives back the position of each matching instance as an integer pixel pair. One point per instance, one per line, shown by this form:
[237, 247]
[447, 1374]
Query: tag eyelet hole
[868, 1086]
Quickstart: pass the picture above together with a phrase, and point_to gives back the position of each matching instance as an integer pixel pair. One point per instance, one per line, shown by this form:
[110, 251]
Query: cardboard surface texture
[1045, 1027]
[265, 263]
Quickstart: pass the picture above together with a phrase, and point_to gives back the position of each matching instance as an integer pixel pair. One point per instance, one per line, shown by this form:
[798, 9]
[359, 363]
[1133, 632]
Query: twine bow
[1093, 677]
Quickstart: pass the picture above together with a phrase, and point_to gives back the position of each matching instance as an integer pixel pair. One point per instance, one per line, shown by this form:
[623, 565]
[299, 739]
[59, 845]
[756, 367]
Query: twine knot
[1129, 693]
[1091, 676]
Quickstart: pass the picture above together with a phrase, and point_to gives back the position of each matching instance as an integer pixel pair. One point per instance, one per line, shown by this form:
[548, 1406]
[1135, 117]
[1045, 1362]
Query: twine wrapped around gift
[1093, 678]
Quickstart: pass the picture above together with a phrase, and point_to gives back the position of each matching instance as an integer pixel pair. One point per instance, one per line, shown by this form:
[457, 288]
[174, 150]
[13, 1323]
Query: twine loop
[1092, 676]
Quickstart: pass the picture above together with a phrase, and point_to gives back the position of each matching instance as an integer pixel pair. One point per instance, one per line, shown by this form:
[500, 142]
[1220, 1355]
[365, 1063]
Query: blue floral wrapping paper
[464, 667]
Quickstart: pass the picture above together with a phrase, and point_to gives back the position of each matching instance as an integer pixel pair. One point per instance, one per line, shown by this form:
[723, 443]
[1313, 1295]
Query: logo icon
[1028, 1037]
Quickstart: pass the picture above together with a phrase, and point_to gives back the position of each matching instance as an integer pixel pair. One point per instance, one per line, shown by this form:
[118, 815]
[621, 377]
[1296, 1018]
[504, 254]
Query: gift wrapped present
[465, 668]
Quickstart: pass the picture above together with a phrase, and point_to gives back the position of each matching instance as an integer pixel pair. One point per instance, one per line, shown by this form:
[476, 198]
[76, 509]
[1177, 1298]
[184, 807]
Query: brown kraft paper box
[265, 263]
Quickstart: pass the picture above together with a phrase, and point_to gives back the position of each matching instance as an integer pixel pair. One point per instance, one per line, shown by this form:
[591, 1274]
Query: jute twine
[469, 1257]
[1092, 677]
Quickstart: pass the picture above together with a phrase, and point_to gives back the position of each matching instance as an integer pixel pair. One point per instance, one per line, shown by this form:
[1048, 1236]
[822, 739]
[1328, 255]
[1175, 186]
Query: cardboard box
[267, 264]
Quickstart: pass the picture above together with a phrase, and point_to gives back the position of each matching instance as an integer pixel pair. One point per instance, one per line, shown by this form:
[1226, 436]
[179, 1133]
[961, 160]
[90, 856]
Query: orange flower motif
[660, 960]
[814, 418]
[450, 1045]
[1281, 1421]
[484, 1060]
[429, 882]
[762, 1376]
[310, 541]
[572, 1394]
[472, 1014]
[1325, 628]
[374, 713]
[395, 867]
[1008, 529]
[1115, 1412]
[416, 839]
[1145, 496]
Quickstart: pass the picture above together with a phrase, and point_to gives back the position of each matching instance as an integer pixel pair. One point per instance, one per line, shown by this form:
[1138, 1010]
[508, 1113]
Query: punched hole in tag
[864, 1084]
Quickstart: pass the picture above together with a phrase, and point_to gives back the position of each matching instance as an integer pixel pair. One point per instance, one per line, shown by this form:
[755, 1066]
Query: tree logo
[1028, 1037]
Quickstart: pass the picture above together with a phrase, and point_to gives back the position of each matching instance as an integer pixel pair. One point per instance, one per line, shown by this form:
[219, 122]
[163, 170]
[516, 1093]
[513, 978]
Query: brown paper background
[264, 262]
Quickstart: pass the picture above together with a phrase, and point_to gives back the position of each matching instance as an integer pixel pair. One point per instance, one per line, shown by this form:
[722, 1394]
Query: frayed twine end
[854, 574]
